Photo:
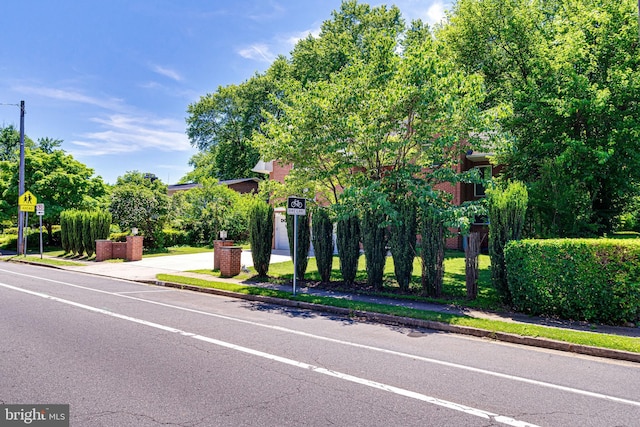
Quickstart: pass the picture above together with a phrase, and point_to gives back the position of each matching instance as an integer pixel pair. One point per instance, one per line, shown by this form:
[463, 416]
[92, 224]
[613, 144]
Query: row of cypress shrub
[80, 229]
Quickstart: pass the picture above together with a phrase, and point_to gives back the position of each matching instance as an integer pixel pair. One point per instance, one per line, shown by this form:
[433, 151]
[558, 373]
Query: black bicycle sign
[296, 206]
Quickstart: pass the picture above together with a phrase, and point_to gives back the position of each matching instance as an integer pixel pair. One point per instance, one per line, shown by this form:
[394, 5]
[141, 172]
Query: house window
[485, 175]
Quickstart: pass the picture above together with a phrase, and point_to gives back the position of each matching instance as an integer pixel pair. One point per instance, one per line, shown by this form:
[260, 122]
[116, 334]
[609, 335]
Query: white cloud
[71, 95]
[259, 52]
[167, 72]
[131, 134]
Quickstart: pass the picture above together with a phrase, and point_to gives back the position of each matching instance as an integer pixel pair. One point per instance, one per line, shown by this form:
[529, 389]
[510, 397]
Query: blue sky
[113, 78]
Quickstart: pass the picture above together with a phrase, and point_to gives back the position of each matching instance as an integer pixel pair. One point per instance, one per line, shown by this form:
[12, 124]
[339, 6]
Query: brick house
[461, 192]
[244, 185]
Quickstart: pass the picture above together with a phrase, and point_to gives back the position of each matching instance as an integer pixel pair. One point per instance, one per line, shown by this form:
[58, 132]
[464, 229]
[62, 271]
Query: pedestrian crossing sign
[27, 202]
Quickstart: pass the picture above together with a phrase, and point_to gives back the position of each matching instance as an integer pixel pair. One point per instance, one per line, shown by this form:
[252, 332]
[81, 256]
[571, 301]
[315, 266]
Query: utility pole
[21, 183]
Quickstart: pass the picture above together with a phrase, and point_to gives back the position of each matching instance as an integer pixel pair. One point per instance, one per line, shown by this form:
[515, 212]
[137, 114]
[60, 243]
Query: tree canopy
[384, 111]
[569, 73]
[221, 125]
[140, 200]
[57, 179]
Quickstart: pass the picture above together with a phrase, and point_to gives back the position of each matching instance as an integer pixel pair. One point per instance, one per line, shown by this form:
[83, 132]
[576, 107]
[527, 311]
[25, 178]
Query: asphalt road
[126, 354]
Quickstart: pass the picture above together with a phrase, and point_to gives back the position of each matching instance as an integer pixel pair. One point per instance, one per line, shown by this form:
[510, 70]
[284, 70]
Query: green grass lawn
[176, 250]
[575, 337]
[454, 287]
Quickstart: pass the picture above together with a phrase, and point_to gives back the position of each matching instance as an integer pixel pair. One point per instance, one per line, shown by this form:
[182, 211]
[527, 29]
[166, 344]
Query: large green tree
[221, 124]
[204, 211]
[387, 116]
[140, 200]
[569, 72]
[57, 180]
[10, 143]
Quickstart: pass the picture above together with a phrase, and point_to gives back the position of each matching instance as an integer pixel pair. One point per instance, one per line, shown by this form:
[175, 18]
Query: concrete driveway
[148, 268]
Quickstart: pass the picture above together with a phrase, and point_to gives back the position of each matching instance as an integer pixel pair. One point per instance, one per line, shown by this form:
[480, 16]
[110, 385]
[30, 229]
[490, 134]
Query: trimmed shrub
[323, 242]
[375, 246]
[77, 246]
[402, 240]
[580, 279]
[507, 211]
[303, 243]
[432, 252]
[174, 237]
[88, 240]
[65, 231]
[348, 241]
[102, 224]
[260, 235]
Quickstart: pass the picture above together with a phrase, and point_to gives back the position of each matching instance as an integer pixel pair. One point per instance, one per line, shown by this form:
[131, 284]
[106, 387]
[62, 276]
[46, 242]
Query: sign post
[40, 213]
[296, 206]
[26, 203]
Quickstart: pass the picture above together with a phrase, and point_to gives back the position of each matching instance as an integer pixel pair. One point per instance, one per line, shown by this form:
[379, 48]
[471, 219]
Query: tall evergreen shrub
[303, 243]
[88, 242]
[348, 240]
[65, 231]
[103, 224]
[375, 251]
[402, 240]
[260, 235]
[432, 254]
[78, 244]
[323, 242]
[507, 211]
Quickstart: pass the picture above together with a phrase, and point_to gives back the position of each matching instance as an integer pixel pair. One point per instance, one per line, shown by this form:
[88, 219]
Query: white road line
[317, 369]
[144, 292]
[362, 346]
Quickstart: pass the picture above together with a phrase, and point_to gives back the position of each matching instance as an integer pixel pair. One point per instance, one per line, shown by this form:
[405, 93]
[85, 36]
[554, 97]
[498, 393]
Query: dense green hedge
[260, 235]
[580, 279]
[80, 229]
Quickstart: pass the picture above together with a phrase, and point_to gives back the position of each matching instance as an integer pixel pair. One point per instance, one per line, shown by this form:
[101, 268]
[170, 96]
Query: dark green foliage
[471, 254]
[303, 243]
[88, 241]
[432, 254]
[323, 242]
[402, 240]
[76, 237]
[65, 231]
[172, 237]
[79, 230]
[569, 73]
[102, 224]
[507, 211]
[375, 251]
[260, 235]
[348, 241]
[578, 279]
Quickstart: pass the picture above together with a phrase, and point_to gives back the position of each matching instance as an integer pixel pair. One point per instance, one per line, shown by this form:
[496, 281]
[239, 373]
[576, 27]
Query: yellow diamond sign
[27, 202]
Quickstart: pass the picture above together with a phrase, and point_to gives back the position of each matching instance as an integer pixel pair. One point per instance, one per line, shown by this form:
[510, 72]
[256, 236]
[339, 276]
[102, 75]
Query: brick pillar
[134, 248]
[104, 250]
[217, 244]
[230, 261]
[119, 250]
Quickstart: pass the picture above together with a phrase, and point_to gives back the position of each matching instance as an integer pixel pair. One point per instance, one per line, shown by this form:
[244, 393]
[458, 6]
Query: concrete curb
[427, 324]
